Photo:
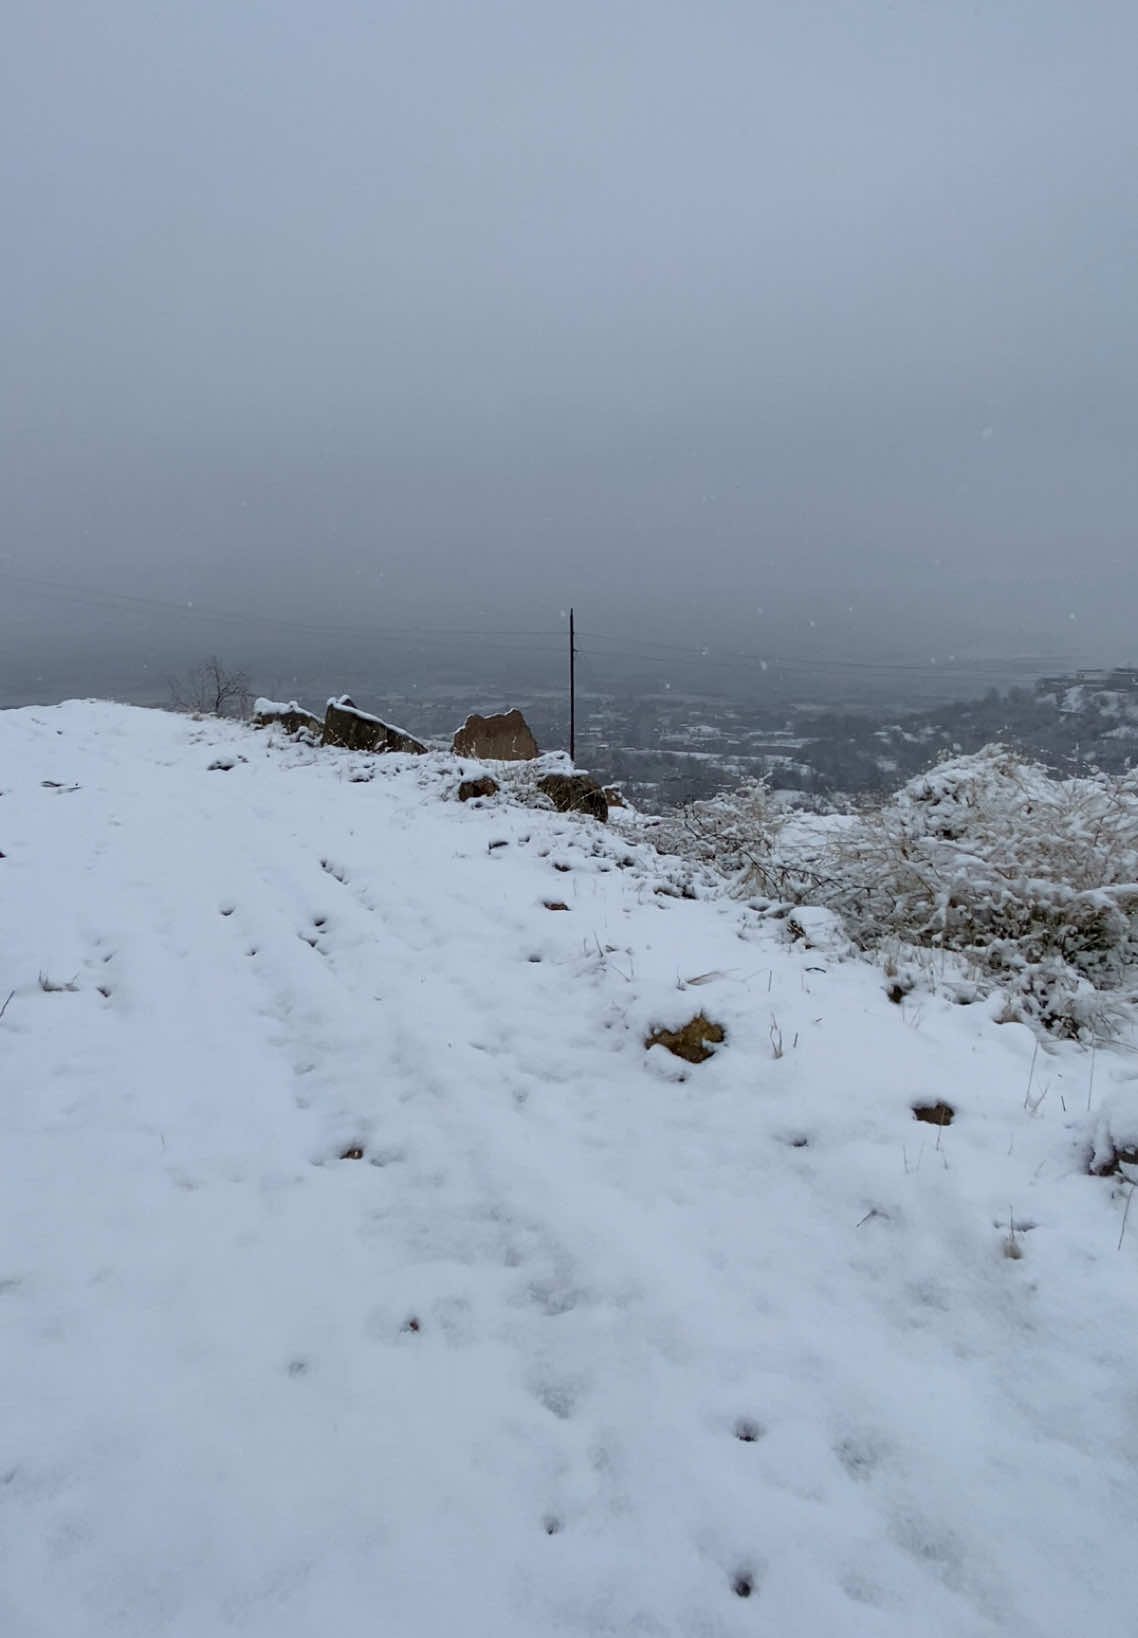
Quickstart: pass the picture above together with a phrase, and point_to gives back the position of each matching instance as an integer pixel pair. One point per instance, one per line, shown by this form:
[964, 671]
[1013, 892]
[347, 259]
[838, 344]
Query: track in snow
[583, 1341]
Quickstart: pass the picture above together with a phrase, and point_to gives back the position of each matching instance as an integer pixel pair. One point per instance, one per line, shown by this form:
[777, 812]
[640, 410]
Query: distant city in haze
[793, 345]
[64, 641]
[666, 715]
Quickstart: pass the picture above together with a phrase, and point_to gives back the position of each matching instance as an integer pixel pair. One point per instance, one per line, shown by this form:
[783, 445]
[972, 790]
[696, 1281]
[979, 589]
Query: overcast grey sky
[730, 310]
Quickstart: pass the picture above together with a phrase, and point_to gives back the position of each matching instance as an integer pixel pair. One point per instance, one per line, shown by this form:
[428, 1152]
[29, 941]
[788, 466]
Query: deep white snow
[490, 1378]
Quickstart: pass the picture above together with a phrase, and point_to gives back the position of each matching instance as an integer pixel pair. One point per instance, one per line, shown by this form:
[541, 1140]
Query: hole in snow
[690, 1042]
[412, 1324]
[748, 1430]
[298, 1367]
[550, 1525]
[555, 904]
[1111, 1163]
[934, 1114]
[354, 1153]
[227, 909]
[743, 1584]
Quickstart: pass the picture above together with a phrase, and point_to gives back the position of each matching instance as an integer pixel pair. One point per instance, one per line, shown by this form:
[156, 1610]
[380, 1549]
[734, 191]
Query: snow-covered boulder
[502, 738]
[575, 793]
[345, 725]
[472, 788]
[293, 718]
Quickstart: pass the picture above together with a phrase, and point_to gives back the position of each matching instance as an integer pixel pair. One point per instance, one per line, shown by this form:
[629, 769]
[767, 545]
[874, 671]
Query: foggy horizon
[802, 335]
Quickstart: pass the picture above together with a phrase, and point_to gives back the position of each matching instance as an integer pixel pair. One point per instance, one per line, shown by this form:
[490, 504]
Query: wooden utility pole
[572, 692]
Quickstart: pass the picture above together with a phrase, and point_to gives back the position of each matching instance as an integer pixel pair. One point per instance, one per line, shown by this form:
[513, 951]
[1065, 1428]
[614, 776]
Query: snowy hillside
[362, 1271]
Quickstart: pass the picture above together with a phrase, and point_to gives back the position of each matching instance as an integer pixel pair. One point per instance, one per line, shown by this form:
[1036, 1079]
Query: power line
[657, 650]
[518, 641]
[773, 662]
[102, 597]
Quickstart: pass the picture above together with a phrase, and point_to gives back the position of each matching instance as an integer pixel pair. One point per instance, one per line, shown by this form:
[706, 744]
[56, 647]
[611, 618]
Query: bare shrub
[213, 690]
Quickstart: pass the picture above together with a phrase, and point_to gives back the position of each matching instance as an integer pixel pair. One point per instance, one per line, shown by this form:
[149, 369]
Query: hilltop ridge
[362, 1263]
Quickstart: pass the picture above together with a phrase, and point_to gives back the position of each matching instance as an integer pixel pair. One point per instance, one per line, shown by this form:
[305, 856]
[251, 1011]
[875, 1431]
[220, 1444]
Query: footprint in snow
[861, 1454]
[387, 1157]
[560, 1398]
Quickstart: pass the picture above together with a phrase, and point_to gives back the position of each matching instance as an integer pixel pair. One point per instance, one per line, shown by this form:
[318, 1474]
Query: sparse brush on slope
[1033, 880]
[212, 689]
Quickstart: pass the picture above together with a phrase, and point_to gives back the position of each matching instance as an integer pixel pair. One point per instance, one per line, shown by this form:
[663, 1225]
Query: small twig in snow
[1034, 1108]
[1031, 1074]
[874, 1211]
[776, 1038]
[4, 1008]
[50, 987]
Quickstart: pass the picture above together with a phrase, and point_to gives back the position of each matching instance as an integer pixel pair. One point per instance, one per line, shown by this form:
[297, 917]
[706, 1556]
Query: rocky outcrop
[575, 793]
[504, 738]
[291, 717]
[470, 788]
[347, 726]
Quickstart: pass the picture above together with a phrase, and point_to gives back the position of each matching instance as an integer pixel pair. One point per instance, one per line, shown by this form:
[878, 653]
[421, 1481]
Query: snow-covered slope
[589, 1340]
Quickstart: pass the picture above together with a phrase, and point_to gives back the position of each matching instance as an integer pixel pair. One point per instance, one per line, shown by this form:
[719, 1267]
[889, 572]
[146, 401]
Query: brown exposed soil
[934, 1114]
[470, 788]
[692, 1041]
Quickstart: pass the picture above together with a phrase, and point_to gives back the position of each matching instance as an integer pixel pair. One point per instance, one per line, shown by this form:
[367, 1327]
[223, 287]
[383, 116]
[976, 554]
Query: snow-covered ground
[589, 1340]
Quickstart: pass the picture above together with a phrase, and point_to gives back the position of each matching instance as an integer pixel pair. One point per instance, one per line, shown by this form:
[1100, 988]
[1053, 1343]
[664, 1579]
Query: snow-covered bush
[1031, 880]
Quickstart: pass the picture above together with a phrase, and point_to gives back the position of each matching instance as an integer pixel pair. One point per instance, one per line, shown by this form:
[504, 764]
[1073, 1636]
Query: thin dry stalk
[1125, 1215]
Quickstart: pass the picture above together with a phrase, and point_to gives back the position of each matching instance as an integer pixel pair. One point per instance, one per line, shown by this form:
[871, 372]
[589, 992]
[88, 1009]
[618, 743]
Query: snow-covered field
[588, 1340]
